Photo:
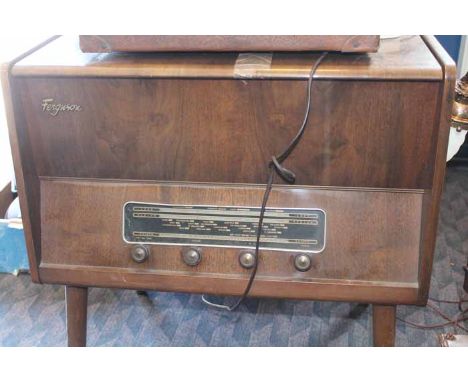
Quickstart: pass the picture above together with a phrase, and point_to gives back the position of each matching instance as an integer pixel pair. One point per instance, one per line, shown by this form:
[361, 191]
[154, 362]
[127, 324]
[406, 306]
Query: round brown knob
[302, 262]
[247, 260]
[191, 256]
[139, 253]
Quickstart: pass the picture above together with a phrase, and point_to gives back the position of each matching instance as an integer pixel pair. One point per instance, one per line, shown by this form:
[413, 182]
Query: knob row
[192, 257]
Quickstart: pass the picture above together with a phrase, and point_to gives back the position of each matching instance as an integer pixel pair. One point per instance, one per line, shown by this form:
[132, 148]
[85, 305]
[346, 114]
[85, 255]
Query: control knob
[191, 256]
[139, 253]
[302, 262]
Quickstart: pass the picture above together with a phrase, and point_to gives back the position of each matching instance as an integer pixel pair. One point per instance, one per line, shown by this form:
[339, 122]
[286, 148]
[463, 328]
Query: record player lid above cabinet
[228, 43]
[401, 58]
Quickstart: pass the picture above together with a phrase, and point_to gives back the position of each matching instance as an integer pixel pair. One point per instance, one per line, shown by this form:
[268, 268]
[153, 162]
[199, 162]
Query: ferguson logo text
[48, 106]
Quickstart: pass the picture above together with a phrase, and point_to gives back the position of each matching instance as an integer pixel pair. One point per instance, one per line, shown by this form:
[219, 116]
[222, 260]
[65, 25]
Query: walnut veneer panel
[360, 133]
[372, 236]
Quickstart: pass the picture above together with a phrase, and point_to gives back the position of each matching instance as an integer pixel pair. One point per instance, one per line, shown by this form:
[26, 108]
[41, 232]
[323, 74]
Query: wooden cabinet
[91, 132]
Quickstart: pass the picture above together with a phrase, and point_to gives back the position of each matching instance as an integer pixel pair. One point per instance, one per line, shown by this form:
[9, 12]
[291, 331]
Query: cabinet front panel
[360, 133]
[371, 236]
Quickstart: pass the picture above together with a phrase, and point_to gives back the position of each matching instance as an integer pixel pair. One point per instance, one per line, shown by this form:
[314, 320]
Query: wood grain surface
[383, 322]
[227, 131]
[402, 58]
[77, 309]
[236, 43]
[431, 200]
[373, 235]
[378, 121]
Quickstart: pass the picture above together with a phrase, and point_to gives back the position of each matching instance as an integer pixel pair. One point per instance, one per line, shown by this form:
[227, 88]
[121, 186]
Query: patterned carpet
[33, 315]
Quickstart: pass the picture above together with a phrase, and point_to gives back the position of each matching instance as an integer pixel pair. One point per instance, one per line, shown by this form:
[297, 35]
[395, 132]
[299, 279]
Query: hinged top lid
[231, 43]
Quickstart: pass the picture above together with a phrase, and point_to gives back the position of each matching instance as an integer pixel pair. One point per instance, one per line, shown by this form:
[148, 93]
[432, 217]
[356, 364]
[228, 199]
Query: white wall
[463, 57]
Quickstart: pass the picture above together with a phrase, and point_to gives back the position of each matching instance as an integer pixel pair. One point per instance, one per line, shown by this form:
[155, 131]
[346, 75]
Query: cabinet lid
[398, 58]
[228, 43]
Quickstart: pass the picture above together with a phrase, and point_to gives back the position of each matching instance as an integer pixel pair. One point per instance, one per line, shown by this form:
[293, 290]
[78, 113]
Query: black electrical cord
[287, 175]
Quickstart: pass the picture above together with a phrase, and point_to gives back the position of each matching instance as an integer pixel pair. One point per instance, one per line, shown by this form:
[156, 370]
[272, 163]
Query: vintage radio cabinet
[147, 171]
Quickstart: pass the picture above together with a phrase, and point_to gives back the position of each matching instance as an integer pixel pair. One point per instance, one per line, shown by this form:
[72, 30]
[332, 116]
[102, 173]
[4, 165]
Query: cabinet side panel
[26, 179]
[25, 170]
[431, 202]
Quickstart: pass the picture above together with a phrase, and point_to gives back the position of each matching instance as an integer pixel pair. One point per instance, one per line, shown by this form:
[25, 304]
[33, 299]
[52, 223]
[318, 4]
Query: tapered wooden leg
[77, 309]
[383, 319]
